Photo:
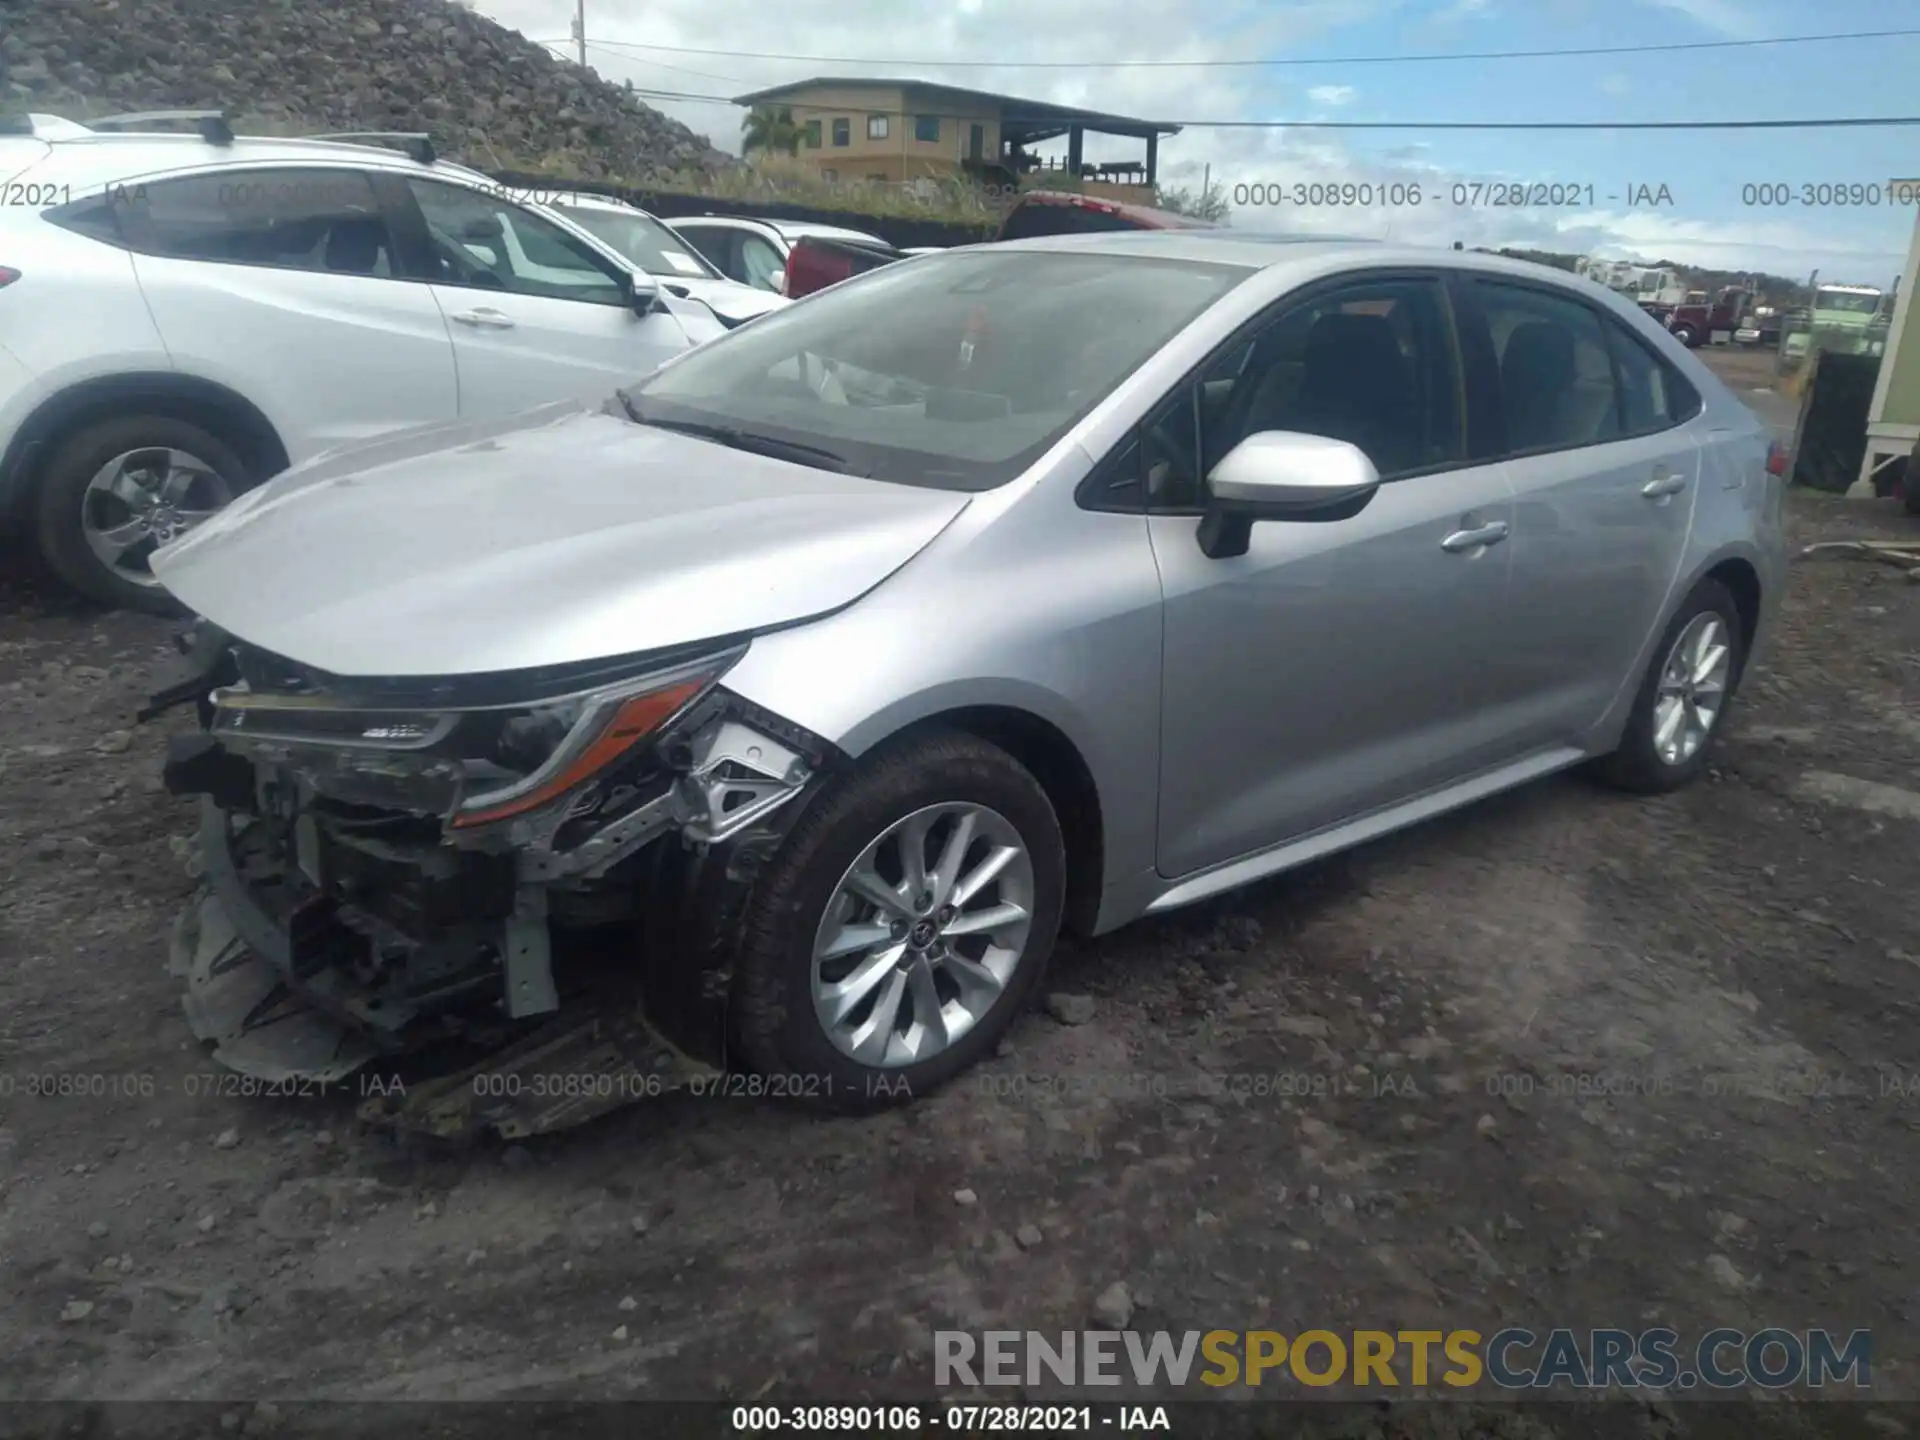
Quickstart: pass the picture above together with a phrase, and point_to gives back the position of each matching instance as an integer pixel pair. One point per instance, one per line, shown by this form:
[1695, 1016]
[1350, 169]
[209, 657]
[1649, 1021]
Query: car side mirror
[642, 292]
[483, 229]
[778, 281]
[1282, 475]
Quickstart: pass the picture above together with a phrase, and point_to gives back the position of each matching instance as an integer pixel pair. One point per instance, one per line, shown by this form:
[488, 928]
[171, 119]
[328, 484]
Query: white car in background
[184, 315]
[754, 252]
[647, 242]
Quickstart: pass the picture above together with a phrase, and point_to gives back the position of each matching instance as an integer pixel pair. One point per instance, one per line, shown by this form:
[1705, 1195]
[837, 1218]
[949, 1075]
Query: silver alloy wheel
[143, 499]
[922, 934]
[1692, 690]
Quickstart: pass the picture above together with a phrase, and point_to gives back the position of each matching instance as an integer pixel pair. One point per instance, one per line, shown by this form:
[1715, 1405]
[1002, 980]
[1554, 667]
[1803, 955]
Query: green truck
[1845, 319]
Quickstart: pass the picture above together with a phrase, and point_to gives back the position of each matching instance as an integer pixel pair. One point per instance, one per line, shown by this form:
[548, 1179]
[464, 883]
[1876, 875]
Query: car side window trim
[413, 248]
[1678, 389]
[1307, 294]
[1118, 484]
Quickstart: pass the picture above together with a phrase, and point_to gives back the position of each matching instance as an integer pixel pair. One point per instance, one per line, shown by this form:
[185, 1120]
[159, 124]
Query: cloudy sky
[1116, 55]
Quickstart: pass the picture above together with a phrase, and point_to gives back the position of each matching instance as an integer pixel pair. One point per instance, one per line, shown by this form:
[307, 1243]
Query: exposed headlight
[473, 767]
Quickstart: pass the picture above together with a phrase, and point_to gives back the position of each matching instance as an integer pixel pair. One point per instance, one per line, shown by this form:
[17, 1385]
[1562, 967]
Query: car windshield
[643, 240]
[951, 371]
[1847, 302]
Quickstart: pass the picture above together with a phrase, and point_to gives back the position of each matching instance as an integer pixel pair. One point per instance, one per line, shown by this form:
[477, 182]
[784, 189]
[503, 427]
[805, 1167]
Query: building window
[813, 134]
[842, 131]
[876, 127]
[830, 176]
[926, 129]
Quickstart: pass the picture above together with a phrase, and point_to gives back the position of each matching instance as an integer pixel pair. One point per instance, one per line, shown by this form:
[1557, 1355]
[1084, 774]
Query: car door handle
[1663, 484]
[1478, 538]
[482, 319]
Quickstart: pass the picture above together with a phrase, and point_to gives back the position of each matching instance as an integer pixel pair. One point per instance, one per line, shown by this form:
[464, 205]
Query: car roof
[92, 158]
[1145, 216]
[587, 200]
[1269, 249]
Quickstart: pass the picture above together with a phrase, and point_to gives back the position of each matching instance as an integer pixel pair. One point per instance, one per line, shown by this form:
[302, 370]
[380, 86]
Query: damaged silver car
[774, 717]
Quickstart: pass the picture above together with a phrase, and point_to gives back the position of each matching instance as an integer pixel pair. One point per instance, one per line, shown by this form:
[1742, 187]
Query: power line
[1827, 123]
[662, 65]
[952, 64]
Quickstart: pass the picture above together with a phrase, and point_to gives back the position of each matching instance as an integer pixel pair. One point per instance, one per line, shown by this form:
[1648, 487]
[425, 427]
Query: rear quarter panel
[75, 314]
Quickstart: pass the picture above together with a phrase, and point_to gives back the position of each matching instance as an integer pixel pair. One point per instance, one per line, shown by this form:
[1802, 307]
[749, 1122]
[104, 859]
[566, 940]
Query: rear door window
[1556, 372]
[292, 219]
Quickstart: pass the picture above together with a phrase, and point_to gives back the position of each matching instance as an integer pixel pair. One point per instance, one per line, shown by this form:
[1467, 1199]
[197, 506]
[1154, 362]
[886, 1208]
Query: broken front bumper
[333, 937]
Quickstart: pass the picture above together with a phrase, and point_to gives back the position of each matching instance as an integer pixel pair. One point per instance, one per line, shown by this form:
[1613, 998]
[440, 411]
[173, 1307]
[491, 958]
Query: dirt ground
[1349, 1098]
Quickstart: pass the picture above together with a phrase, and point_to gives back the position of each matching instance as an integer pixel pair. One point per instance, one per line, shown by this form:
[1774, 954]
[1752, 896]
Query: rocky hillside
[491, 97]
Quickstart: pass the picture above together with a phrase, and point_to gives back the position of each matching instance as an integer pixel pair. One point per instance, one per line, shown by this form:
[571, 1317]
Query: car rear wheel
[903, 925]
[116, 491]
[1683, 698]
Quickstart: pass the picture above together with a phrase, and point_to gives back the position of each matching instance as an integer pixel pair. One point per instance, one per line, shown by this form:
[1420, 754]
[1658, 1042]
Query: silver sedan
[1022, 586]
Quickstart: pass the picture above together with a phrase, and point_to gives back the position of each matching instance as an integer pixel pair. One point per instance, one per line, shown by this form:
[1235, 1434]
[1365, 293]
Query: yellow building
[900, 130]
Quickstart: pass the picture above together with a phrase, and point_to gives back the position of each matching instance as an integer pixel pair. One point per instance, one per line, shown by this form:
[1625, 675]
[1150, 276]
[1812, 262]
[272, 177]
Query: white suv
[183, 315]
[646, 242]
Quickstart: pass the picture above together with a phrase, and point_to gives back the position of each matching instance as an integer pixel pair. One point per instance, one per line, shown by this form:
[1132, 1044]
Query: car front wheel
[903, 926]
[1683, 697]
[117, 491]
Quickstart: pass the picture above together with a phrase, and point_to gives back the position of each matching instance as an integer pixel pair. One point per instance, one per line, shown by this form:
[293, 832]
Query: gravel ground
[1351, 1097]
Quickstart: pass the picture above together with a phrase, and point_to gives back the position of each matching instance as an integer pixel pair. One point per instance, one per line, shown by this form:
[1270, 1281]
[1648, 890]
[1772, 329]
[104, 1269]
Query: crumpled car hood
[728, 298]
[565, 534]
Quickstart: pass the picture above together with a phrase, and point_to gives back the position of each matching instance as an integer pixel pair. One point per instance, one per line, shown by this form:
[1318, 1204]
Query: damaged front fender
[335, 935]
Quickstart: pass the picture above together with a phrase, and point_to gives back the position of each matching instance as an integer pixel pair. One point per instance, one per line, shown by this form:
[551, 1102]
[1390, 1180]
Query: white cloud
[1463, 10]
[1332, 94]
[1342, 193]
[1615, 84]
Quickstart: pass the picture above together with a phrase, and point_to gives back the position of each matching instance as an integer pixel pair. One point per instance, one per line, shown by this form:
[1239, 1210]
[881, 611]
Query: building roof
[1021, 121]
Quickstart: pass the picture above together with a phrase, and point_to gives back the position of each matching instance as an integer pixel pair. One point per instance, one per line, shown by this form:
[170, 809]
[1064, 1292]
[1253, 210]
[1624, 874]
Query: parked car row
[585, 603]
[187, 314]
[796, 258]
[848, 658]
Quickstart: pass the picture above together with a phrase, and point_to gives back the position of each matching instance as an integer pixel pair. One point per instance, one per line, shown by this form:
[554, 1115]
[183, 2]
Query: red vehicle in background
[1057, 212]
[1697, 324]
[816, 262]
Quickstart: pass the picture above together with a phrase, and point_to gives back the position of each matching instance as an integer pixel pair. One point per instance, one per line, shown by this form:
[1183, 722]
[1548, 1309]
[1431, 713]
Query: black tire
[1636, 766]
[773, 1018]
[59, 527]
[1686, 335]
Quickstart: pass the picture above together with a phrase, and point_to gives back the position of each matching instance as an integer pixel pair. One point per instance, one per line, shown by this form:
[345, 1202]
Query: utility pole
[580, 31]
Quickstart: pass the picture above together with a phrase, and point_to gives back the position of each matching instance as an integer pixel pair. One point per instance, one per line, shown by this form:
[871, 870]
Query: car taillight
[7, 276]
[1776, 459]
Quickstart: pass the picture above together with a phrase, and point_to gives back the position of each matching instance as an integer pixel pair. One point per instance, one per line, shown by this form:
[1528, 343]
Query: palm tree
[766, 129]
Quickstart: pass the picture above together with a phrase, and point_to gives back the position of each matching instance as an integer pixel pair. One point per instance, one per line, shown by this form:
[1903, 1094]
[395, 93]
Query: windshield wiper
[735, 438]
